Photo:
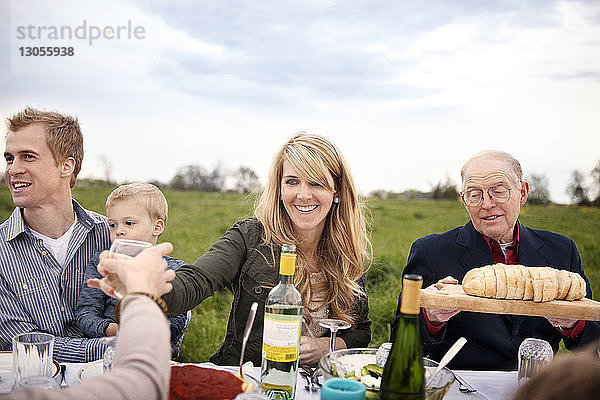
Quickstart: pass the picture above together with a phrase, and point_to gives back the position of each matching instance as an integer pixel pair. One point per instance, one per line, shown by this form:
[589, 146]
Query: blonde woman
[310, 200]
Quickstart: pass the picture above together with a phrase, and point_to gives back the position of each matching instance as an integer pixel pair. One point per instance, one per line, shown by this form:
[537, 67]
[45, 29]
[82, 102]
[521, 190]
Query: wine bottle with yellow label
[403, 374]
[281, 333]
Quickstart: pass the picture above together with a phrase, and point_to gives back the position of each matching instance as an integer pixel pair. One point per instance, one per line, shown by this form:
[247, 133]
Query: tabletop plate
[90, 371]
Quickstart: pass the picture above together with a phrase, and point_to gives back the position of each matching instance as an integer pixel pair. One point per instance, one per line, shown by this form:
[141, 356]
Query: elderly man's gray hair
[496, 155]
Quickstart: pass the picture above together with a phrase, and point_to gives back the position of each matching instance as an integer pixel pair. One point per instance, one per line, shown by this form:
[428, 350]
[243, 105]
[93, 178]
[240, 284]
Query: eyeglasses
[474, 197]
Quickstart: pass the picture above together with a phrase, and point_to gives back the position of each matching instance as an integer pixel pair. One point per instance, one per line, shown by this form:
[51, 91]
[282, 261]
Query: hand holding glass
[124, 248]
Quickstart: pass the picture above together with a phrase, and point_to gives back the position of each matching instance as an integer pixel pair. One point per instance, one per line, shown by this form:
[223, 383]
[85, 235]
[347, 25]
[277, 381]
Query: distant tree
[215, 181]
[190, 177]
[379, 194]
[444, 190]
[538, 189]
[246, 180]
[410, 194]
[195, 177]
[91, 182]
[596, 179]
[107, 168]
[156, 183]
[577, 190]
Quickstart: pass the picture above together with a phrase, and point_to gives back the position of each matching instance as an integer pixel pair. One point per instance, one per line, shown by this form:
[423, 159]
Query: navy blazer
[493, 339]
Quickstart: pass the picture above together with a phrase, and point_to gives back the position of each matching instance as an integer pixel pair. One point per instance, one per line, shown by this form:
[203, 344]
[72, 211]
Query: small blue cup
[342, 389]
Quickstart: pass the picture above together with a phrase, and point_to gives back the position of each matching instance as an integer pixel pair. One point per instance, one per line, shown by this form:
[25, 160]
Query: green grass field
[196, 220]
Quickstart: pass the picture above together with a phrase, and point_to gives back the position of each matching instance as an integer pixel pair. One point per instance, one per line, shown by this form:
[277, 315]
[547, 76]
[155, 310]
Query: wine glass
[334, 325]
[124, 248]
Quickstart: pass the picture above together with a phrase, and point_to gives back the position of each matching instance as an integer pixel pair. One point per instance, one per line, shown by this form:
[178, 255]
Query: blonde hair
[143, 194]
[63, 134]
[495, 155]
[344, 244]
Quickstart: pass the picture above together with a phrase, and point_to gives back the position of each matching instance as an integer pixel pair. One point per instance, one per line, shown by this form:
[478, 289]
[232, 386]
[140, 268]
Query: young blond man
[47, 241]
[136, 211]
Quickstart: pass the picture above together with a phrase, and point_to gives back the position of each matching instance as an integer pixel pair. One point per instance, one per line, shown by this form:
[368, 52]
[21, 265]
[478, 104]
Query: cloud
[408, 90]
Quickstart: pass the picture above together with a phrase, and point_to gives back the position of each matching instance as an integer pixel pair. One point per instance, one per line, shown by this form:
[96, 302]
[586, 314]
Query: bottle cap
[411, 294]
[288, 248]
[287, 262]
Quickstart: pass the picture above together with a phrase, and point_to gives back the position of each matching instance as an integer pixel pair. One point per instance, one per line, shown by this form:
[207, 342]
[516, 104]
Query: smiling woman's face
[307, 203]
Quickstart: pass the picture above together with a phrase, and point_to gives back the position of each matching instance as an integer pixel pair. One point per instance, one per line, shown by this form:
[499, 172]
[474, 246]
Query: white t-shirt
[58, 247]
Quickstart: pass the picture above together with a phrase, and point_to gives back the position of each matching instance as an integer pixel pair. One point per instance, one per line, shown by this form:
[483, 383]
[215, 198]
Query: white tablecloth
[491, 385]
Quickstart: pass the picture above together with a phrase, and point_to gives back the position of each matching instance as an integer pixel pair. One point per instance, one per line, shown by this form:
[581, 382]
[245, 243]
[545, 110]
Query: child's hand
[111, 329]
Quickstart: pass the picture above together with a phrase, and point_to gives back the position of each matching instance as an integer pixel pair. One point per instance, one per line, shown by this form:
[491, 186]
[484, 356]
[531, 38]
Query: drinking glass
[109, 353]
[118, 249]
[32, 356]
[41, 382]
[382, 353]
[534, 355]
[334, 325]
[124, 248]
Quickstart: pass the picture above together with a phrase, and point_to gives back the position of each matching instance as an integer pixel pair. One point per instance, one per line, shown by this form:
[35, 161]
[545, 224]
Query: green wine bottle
[281, 333]
[403, 374]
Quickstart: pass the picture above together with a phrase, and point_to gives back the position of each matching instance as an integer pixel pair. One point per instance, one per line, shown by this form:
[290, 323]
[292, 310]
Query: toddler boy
[137, 211]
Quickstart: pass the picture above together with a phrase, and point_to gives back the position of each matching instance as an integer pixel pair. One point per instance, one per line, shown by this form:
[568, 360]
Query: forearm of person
[90, 320]
[190, 288]
[214, 271]
[429, 340]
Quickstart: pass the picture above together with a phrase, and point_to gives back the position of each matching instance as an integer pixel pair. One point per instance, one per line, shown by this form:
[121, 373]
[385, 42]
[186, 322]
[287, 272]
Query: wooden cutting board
[452, 297]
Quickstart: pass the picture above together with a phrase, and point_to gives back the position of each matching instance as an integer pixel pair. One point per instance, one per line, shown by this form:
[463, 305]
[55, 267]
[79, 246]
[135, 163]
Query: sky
[407, 90]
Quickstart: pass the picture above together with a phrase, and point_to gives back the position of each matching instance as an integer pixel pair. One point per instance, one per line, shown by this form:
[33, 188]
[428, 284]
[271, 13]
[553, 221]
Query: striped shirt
[37, 294]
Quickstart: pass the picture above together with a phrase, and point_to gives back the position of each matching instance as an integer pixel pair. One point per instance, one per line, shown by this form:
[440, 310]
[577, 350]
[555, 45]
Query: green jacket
[238, 261]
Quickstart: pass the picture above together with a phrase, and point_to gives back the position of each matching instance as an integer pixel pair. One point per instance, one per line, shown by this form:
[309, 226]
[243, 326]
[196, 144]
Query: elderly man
[47, 241]
[493, 192]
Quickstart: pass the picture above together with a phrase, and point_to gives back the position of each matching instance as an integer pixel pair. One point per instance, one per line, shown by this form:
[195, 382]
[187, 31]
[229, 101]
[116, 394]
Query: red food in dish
[192, 382]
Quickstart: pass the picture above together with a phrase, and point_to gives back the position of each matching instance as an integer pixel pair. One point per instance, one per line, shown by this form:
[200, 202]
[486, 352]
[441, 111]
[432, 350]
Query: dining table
[491, 385]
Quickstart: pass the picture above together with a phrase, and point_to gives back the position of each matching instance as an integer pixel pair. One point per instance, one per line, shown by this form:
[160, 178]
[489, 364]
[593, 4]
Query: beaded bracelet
[157, 299]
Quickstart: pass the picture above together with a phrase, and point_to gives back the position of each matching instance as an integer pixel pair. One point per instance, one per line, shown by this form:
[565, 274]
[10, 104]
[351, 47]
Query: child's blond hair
[145, 195]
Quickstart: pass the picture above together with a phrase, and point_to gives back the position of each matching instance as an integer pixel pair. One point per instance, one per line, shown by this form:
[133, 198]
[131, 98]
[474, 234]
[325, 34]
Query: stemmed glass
[334, 325]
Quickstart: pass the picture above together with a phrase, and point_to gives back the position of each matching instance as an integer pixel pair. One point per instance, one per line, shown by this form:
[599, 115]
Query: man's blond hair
[63, 134]
[143, 194]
